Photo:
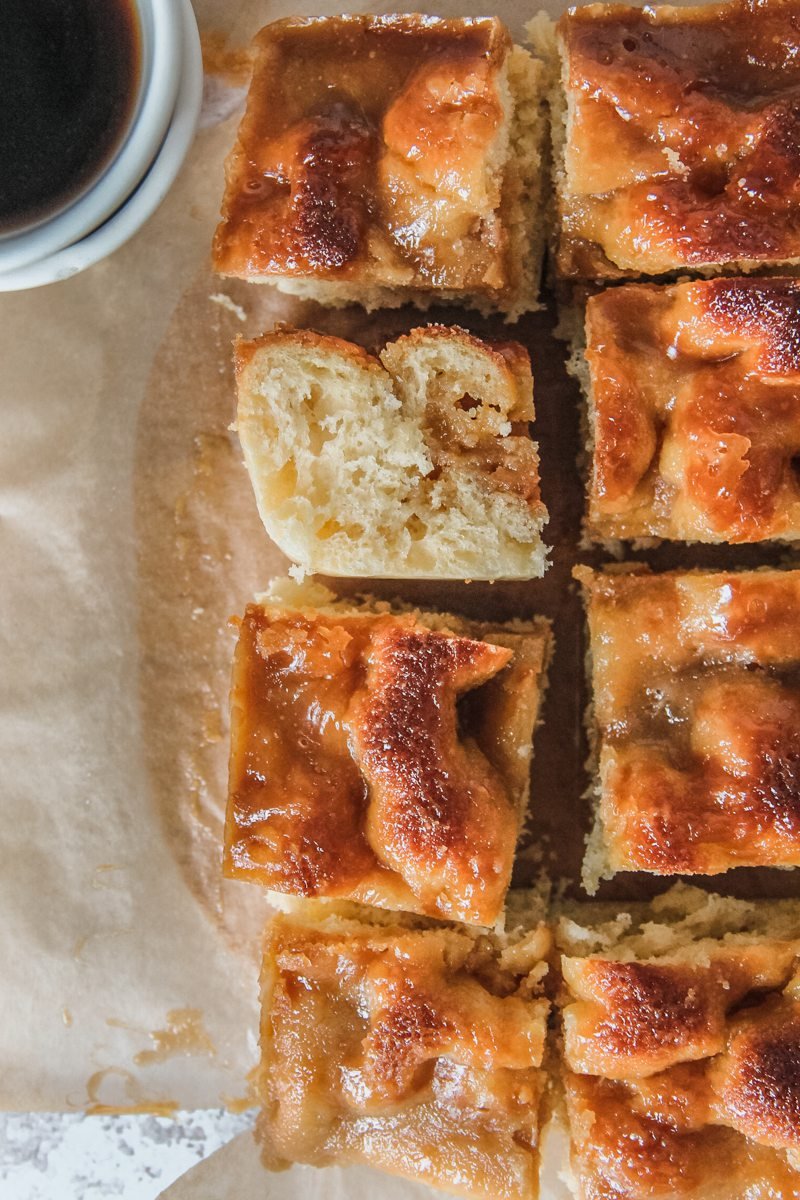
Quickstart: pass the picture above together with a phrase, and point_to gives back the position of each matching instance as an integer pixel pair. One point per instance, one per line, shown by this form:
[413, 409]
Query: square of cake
[696, 720]
[389, 159]
[418, 463]
[677, 137]
[681, 1049]
[414, 1048]
[694, 411]
[381, 755]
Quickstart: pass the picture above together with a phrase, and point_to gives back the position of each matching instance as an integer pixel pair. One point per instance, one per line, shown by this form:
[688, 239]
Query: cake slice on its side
[387, 160]
[696, 720]
[410, 1046]
[417, 464]
[381, 755]
[681, 1048]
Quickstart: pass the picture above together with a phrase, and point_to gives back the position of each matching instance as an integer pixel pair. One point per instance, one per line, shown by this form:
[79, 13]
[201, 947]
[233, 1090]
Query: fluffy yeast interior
[344, 474]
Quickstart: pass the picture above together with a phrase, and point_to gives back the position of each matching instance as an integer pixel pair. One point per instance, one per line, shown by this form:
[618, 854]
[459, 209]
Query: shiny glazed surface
[418, 1051]
[696, 395]
[367, 153]
[684, 1075]
[356, 773]
[698, 114]
[697, 704]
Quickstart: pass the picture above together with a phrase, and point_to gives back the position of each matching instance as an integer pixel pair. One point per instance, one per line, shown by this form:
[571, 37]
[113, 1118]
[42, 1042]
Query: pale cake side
[416, 464]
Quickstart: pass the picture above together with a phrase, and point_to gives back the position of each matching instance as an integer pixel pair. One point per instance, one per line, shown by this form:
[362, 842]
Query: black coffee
[69, 71]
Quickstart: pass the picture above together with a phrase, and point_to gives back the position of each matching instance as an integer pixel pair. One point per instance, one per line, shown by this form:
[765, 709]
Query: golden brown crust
[354, 771]
[697, 701]
[366, 154]
[696, 410]
[697, 111]
[246, 348]
[434, 801]
[672, 1063]
[417, 1051]
[757, 1081]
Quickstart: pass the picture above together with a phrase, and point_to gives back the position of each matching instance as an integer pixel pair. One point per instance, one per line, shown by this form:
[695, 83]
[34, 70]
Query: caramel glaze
[675, 1067]
[354, 772]
[363, 154]
[697, 701]
[418, 1051]
[698, 114]
[696, 397]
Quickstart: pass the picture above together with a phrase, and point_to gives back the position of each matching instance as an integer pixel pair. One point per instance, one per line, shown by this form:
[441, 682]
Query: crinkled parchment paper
[128, 536]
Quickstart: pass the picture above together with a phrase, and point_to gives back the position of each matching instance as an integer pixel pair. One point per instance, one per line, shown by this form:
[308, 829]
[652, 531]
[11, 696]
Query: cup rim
[160, 31]
[152, 190]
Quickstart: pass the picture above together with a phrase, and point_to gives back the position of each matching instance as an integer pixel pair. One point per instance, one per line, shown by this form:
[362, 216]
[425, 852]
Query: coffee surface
[69, 71]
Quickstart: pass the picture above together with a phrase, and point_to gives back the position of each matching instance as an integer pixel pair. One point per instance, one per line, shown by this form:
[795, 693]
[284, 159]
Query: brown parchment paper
[116, 986]
[128, 536]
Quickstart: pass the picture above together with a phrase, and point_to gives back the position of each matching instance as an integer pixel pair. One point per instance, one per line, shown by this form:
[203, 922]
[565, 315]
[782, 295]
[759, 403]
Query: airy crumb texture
[383, 160]
[693, 396]
[415, 1048]
[681, 1049]
[696, 718]
[681, 138]
[381, 755]
[417, 464]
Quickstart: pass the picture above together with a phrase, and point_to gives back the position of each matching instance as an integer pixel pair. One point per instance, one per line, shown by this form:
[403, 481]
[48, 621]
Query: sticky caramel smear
[184, 1034]
[240, 1104]
[138, 1102]
[232, 64]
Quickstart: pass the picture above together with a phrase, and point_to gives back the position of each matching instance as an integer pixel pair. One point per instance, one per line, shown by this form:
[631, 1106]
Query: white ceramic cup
[141, 171]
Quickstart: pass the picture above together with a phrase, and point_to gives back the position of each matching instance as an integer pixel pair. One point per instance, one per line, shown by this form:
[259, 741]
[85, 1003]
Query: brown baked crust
[365, 155]
[245, 349]
[695, 416]
[698, 114]
[414, 1050]
[356, 771]
[696, 682]
[677, 1067]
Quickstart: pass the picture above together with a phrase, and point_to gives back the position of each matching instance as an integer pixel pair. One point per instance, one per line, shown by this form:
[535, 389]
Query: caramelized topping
[369, 151]
[697, 693]
[416, 1051]
[696, 410]
[434, 799]
[679, 1062]
[757, 1080]
[326, 162]
[698, 111]
[353, 773]
[630, 1019]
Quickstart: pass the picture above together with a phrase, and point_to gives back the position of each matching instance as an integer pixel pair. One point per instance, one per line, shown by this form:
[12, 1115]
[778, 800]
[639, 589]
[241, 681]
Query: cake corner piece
[681, 1033]
[383, 160]
[697, 178]
[409, 1046]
